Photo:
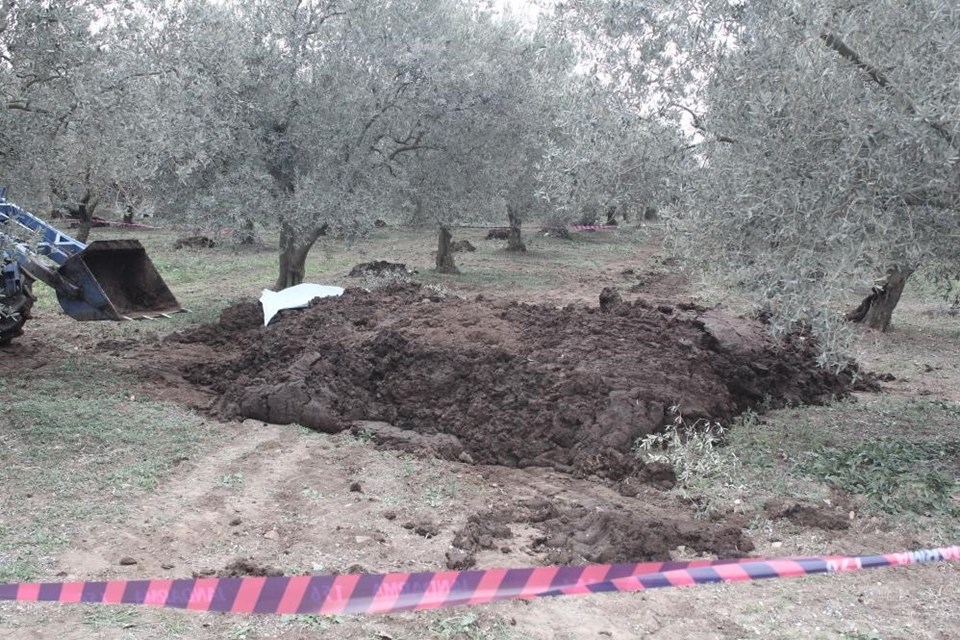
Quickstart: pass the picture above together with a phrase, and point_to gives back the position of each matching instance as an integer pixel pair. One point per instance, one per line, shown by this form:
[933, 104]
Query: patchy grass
[471, 626]
[78, 443]
[894, 456]
[895, 475]
[111, 617]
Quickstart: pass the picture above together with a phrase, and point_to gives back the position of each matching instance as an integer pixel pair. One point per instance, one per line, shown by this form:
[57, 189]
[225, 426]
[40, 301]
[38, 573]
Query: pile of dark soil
[504, 383]
[575, 533]
[462, 246]
[194, 242]
[498, 234]
[378, 268]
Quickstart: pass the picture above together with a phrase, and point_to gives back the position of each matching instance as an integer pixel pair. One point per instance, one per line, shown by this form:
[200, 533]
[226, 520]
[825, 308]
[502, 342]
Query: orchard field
[127, 454]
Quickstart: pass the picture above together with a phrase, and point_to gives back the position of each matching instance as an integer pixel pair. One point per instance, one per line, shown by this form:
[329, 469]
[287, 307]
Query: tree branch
[145, 74]
[24, 105]
[930, 197]
[880, 78]
[699, 126]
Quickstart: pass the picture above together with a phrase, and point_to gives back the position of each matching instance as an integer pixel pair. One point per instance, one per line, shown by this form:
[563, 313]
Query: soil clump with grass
[501, 383]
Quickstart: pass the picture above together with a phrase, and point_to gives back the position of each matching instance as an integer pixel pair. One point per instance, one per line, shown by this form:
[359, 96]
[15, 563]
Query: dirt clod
[424, 528]
[498, 234]
[243, 567]
[610, 298]
[460, 560]
[602, 533]
[481, 532]
[659, 475]
[807, 515]
[461, 246]
[378, 268]
[194, 242]
[127, 561]
[355, 487]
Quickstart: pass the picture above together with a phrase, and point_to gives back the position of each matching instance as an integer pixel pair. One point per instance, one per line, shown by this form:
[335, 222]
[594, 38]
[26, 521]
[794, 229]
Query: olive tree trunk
[84, 212]
[612, 215]
[294, 248]
[85, 217]
[445, 263]
[514, 239]
[877, 308]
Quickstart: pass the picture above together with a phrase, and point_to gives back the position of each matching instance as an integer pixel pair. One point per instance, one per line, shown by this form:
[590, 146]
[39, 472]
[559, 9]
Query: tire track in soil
[278, 497]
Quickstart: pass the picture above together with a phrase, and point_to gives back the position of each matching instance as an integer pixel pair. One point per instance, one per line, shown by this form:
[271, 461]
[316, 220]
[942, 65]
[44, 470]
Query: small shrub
[692, 449]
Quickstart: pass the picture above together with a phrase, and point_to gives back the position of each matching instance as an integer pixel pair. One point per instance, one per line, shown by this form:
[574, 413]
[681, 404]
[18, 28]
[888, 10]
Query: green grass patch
[78, 444]
[897, 476]
[16, 569]
[111, 617]
[900, 454]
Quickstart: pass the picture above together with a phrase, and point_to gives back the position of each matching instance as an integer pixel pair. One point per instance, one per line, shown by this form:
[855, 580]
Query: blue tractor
[105, 280]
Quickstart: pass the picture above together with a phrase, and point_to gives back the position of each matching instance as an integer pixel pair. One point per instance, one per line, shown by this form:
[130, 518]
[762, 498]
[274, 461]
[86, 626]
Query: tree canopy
[806, 148]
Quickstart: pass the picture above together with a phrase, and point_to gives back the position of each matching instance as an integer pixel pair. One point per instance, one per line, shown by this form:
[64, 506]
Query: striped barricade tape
[594, 227]
[392, 592]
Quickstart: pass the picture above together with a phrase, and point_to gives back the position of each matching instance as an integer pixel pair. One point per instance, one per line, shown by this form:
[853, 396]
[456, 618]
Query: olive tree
[608, 158]
[842, 160]
[480, 159]
[73, 75]
[313, 114]
[822, 145]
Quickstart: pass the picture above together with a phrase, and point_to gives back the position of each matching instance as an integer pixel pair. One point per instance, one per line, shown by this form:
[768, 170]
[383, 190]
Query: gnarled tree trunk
[85, 217]
[612, 215]
[294, 248]
[514, 240]
[445, 263]
[877, 308]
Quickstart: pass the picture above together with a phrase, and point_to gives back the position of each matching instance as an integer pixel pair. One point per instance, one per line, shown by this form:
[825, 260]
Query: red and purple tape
[390, 592]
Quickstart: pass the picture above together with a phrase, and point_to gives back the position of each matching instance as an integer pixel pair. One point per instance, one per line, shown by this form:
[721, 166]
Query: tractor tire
[14, 312]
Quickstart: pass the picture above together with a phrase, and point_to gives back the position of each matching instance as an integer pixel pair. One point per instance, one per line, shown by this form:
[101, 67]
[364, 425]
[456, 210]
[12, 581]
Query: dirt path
[280, 498]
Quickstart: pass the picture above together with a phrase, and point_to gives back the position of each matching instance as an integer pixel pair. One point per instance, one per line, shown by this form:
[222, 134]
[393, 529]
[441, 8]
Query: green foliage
[469, 626]
[692, 449]
[830, 173]
[17, 570]
[364, 436]
[896, 475]
[111, 617]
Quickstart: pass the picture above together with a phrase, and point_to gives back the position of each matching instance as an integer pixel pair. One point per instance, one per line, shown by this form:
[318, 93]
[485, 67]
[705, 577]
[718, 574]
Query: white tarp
[296, 297]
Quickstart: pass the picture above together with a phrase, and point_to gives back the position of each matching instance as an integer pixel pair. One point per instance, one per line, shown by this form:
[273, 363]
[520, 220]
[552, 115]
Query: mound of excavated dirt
[378, 268]
[577, 533]
[503, 383]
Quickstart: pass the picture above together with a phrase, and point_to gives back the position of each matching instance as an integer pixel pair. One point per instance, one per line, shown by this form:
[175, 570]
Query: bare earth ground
[101, 463]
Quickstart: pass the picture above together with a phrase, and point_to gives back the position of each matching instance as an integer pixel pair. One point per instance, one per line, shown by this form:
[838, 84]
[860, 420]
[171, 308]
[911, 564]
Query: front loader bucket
[116, 281]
